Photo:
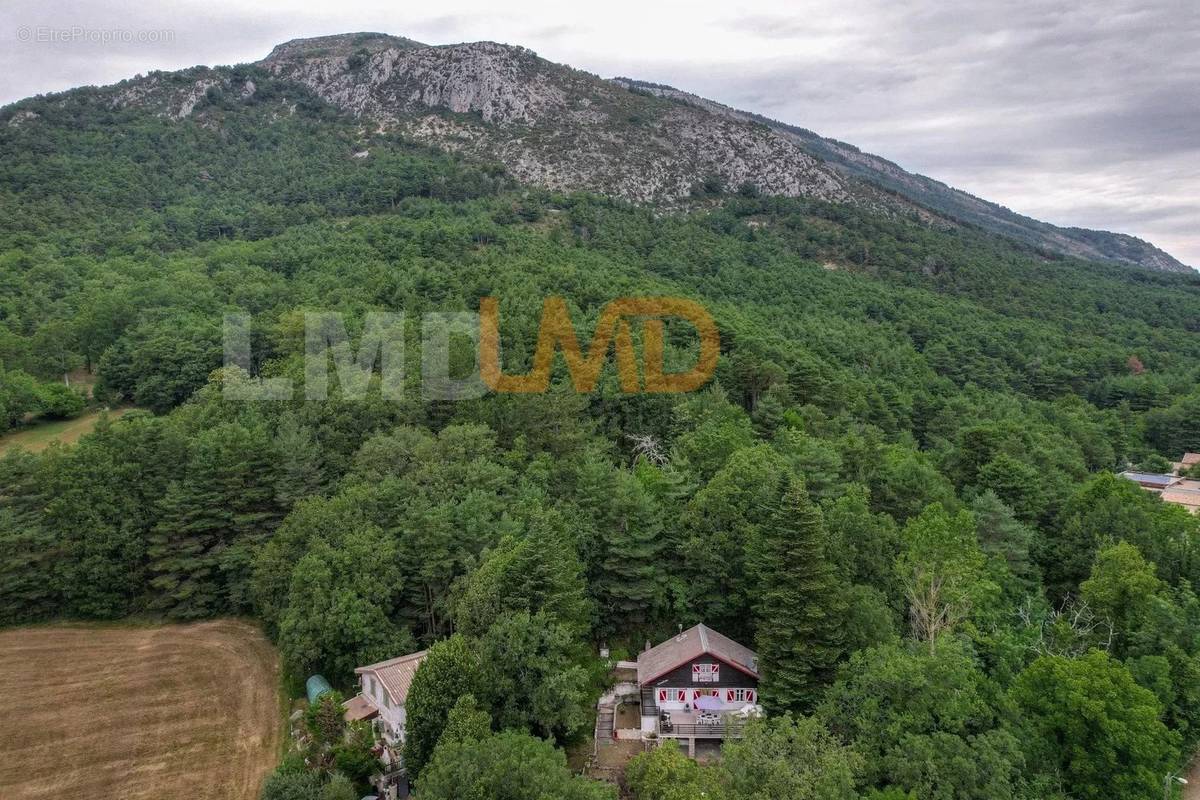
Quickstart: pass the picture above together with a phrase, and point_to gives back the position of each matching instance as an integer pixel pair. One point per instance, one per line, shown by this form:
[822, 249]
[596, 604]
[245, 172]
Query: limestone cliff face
[500, 84]
[169, 96]
[551, 125]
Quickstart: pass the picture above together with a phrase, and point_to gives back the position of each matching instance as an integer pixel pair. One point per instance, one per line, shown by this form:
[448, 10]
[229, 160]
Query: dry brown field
[169, 712]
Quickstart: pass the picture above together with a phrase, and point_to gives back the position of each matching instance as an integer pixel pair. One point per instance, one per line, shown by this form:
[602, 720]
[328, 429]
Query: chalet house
[382, 695]
[697, 685]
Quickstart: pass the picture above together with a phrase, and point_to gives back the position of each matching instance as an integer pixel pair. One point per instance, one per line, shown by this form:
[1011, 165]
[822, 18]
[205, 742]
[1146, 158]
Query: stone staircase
[604, 725]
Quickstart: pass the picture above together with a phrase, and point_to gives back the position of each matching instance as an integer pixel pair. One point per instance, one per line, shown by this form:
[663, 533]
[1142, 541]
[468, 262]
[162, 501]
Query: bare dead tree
[1069, 630]
[933, 607]
[646, 446]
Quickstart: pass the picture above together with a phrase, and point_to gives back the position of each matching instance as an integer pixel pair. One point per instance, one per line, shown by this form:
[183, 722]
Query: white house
[383, 693]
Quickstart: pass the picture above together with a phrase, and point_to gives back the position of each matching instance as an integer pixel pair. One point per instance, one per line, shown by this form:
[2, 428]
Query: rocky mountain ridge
[566, 129]
[554, 126]
[938, 196]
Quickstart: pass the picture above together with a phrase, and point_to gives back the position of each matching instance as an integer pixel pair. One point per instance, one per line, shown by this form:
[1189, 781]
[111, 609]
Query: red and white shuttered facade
[705, 676]
[673, 699]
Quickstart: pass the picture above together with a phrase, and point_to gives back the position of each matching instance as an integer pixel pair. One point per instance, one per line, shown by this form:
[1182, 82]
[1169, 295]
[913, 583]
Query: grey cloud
[443, 28]
[55, 48]
[553, 32]
[777, 26]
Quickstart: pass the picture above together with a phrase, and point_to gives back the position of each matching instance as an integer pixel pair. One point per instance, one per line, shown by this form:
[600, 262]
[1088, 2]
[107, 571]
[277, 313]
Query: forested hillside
[899, 486]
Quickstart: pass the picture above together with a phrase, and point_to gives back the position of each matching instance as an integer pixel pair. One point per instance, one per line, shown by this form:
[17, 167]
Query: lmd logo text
[382, 343]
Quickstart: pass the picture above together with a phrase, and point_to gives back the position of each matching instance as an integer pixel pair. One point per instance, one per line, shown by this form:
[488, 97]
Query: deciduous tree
[450, 670]
[790, 757]
[529, 676]
[941, 571]
[1093, 727]
[512, 765]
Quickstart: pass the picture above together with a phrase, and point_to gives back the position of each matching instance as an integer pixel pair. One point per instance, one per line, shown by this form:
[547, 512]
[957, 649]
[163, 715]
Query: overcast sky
[1086, 115]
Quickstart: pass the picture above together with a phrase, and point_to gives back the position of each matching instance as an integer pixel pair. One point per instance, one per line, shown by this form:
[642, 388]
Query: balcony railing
[711, 730]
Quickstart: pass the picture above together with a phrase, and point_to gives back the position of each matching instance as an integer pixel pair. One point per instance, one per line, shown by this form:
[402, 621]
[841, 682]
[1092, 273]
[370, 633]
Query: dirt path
[1192, 790]
[166, 712]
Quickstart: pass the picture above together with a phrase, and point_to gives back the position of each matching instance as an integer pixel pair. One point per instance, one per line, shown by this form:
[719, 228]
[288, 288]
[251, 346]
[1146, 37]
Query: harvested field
[165, 712]
[40, 435]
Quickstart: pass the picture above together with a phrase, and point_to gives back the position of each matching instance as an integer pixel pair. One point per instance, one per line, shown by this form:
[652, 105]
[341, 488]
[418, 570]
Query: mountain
[920, 392]
[566, 129]
[557, 127]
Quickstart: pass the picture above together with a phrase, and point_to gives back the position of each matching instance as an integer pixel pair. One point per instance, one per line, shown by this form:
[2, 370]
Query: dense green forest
[899, 487]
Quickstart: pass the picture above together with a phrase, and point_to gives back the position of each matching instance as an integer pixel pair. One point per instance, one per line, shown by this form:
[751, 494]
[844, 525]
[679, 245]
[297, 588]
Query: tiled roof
[396, 674]
[1182, 497]
[691, 644]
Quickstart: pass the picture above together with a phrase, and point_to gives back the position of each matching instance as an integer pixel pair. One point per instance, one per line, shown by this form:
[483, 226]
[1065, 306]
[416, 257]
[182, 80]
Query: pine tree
[632, 581]
[27, 549]
[801, 605]
[768, 412]
[539, 571]
[210, 523]
[1003, 536]
[300, 472]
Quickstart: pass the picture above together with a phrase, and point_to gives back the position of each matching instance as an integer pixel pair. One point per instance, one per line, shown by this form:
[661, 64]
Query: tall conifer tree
[632, 580]
[801, 605]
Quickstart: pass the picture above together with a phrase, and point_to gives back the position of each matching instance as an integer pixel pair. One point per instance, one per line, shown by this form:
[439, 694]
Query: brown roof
[689, 645]
[1189, 498]
[395, 674]
[359, 707]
